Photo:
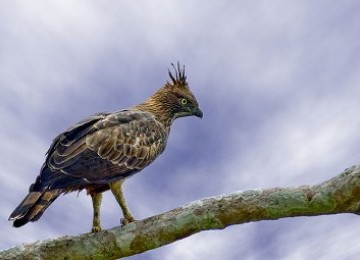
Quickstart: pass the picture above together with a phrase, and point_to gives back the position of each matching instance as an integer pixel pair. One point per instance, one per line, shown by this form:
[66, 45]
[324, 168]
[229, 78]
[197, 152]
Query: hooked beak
[198, 113]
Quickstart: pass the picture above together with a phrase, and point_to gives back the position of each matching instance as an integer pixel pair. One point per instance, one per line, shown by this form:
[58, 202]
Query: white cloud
[278, 83]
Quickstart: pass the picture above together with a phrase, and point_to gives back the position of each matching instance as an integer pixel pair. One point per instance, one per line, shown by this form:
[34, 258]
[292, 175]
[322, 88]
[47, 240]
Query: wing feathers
[61, 158]
[104, 147]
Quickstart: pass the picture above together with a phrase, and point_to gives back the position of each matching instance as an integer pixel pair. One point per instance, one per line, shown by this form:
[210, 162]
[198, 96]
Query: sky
[278, 82]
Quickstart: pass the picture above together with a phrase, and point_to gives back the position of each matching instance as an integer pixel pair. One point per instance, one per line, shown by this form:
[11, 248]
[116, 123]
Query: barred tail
[33, 206]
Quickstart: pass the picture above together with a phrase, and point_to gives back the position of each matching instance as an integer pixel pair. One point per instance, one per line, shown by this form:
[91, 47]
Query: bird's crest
[179, 79]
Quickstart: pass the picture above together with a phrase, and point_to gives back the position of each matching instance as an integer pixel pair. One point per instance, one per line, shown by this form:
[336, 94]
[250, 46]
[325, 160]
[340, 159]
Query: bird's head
[175, 98]
[183, 101]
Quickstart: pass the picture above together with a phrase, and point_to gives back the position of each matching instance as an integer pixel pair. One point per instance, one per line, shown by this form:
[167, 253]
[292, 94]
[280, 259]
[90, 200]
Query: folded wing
[102, 149]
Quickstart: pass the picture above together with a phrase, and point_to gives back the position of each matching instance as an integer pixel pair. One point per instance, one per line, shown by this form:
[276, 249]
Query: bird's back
[102, 149]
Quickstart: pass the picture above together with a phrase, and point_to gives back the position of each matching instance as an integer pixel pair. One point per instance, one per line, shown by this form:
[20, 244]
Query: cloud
[278, 83]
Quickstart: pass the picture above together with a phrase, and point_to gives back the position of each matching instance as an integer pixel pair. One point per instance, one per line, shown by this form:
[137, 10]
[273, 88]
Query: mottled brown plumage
[99, 152]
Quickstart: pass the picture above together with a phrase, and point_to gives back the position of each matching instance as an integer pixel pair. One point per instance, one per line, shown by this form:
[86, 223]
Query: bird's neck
[159, 108]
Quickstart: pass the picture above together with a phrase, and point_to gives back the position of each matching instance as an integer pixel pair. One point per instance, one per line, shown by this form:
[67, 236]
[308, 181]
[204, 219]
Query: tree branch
[340, 194]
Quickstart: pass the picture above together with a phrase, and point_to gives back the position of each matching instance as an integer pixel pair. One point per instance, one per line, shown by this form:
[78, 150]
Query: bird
[100, 152]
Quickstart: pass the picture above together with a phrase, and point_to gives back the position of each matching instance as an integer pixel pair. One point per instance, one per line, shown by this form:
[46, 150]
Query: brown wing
[103, 148]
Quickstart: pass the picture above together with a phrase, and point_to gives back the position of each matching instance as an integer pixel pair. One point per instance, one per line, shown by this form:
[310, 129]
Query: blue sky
[278, 82]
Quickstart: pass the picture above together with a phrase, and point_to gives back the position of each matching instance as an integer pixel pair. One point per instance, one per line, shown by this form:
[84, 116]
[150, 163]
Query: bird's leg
[96, 200]
[116, 188]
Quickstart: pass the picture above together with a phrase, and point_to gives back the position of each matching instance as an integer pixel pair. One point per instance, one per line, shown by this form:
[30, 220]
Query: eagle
[101, 151]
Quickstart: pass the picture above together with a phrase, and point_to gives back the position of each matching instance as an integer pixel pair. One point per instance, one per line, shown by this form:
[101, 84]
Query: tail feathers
[33, 206]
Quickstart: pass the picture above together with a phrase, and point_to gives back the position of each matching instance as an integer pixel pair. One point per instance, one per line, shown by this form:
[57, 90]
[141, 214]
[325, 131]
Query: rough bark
[340, 194]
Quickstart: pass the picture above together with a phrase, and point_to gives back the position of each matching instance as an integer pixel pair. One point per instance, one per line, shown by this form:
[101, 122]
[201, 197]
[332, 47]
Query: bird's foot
[126, 220]
[96, 229]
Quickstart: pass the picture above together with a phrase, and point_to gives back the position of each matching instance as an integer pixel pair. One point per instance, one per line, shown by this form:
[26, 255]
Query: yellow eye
[183, 101]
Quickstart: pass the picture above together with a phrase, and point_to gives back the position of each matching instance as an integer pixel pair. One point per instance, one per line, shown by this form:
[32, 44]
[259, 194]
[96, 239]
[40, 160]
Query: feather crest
[179, 78]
